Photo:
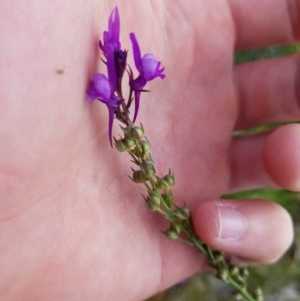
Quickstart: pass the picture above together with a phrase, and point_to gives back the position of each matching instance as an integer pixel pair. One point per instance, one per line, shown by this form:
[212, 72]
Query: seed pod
[129, 143]
[259, 294]
[138, 150]
[177, 228]
[137, 133]
[148, 168]
[139, 177]
[151, 205]
[222, 274]
[155, 197]
[186, 210]
[161, 184]
[120, 145]
[169, 179]
[238, 297]
[145, 146]
[171, 234]
[178, 212]
[234, 270]
[244, 272]
[168, 200]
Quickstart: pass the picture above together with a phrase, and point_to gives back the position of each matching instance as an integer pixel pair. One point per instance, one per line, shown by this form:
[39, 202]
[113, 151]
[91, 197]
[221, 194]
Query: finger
[267, 159]
[265, 22]
[282, 157]
[268, 91]
[245, 228]
[246, 163]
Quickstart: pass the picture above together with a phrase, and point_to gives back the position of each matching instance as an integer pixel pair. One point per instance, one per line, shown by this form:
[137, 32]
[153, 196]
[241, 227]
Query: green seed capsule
[171, 234]
[168, 200]
[139, 177]
[186, 211]
[234, 271]
[151, 205]
[145, 146]
[155, 198]
[161, 184]
[178, 212]
[138, 151]
[120, 145]
[177, 228]
[169, 179]
[129, 143]
[148, 168]
[137, 133]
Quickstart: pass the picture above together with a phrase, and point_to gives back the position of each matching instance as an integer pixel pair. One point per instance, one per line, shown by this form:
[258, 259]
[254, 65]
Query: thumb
[257, 231]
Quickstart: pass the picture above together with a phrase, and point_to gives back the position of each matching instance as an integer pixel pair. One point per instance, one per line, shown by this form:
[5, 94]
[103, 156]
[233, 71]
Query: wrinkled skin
[72, 225]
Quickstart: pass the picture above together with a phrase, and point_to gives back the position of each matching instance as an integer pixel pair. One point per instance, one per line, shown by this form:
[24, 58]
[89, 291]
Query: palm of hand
[72, 226]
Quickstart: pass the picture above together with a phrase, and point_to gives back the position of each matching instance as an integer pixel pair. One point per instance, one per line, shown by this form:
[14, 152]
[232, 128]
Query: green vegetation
[245, 56]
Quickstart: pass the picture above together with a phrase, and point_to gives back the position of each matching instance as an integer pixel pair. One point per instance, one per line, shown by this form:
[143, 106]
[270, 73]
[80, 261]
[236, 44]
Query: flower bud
[139, 177]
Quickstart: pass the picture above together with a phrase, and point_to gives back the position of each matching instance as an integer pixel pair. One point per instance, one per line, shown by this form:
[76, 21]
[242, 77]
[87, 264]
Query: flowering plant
[159, 197]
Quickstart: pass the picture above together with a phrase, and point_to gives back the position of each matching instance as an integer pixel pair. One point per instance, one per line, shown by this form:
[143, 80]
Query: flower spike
[159, 198]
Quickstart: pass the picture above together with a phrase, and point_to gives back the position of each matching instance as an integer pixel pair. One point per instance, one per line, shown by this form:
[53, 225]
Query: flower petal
[101, 87]
[136, 52]
[112, 36]
[114, 26]
[111, 69]
[92, 92]
[151, 67]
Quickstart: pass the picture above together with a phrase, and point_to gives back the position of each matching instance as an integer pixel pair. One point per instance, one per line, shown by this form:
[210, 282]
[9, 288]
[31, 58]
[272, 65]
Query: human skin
[72, 225]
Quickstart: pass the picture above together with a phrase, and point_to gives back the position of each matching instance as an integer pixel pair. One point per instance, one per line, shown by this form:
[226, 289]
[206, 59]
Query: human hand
[72, 226]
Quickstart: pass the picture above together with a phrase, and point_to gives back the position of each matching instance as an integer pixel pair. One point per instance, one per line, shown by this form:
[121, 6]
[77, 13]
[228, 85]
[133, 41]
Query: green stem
[240, 289]
[228, 279]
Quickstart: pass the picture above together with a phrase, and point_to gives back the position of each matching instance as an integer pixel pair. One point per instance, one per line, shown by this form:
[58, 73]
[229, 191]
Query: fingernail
[232, 224]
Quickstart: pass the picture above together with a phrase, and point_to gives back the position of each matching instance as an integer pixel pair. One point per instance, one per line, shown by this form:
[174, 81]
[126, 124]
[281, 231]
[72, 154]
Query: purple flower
[148, 67]
[111, 38]
[111, 44]
[103, 89]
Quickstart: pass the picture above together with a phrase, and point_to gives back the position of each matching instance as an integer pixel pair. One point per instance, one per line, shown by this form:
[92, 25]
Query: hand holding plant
[72, 225]
[159, 196]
